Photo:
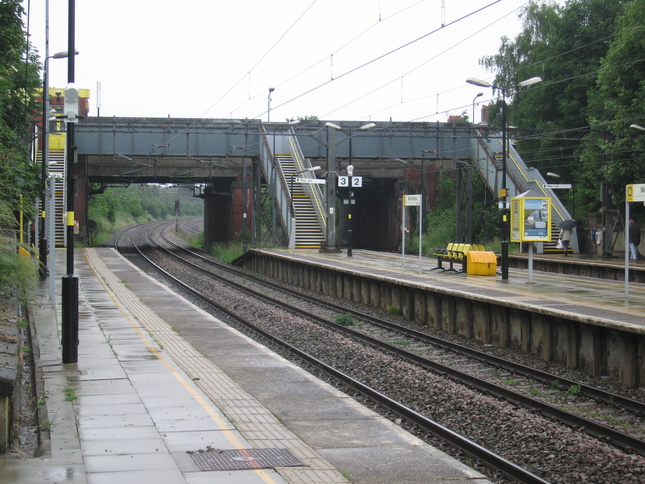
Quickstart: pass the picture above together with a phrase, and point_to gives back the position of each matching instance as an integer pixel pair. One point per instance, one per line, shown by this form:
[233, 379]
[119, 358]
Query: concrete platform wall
[569, 339]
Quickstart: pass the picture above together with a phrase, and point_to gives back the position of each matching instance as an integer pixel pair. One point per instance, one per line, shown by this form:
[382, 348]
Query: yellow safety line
[231, 437]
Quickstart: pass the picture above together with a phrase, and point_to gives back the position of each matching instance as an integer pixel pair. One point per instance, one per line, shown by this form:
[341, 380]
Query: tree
[19, 85]
[564, 46]
[617, 101]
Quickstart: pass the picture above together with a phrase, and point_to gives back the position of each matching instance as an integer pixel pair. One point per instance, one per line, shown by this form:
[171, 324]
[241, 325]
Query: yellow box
[481, 263]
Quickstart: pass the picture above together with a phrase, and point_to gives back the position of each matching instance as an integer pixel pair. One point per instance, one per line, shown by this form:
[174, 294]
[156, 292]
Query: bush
[18, 273]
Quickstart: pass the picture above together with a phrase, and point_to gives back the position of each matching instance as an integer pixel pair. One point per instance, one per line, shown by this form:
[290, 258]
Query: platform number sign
[350, 181]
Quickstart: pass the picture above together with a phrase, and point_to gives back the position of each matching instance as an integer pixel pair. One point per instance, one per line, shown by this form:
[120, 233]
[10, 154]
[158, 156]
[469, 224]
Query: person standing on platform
[565, 237]
[634, 239]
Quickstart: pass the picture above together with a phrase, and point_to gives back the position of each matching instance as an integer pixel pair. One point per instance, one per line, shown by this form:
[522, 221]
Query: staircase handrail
[282, 196]
[313, 190]
[521, 177]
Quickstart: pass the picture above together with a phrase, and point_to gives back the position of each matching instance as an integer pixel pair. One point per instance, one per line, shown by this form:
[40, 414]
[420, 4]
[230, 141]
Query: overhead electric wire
[380, 57]
[261, 58]
[324, 59]
[426, 62]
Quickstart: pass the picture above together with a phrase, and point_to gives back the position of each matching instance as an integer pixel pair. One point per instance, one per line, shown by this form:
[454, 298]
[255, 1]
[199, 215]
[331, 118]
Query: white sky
[217, 59]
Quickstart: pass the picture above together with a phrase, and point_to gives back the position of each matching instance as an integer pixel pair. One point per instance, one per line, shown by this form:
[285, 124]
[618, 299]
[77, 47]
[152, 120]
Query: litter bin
[481, 263]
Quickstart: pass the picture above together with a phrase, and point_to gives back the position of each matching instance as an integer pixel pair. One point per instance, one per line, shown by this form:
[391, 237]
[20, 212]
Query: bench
[454, 253]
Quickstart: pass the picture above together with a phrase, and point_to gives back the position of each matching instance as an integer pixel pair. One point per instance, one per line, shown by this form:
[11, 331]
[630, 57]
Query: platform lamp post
[271, 89]
[330, 229]
[69, 321]
[44, 149]
[43, 249]
[350, 174]
[479, 94]
[503, 193]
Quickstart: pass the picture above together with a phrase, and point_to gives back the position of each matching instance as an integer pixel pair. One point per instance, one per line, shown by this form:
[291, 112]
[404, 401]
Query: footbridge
[279, 181]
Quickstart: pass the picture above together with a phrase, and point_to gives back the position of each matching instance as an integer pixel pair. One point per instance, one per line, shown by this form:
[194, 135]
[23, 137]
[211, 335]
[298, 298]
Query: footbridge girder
[242, 152]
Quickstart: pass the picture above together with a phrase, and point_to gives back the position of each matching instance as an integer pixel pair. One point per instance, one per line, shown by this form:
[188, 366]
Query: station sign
[350, 181]
[412, 200]
[554, 186]
[635, 193]
[314, 181]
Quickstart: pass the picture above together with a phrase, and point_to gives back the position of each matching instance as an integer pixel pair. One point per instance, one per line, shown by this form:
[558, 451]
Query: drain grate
[243, 459]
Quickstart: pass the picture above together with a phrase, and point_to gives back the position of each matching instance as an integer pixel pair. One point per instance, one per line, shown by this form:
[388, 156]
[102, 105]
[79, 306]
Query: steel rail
[626, 442]
[489, 459]
[638, 408]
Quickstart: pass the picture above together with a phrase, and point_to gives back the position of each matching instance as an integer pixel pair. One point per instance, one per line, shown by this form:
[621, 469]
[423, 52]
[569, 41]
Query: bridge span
[247, 170]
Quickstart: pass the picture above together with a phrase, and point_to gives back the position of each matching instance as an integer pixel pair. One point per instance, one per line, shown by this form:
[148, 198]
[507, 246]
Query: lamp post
[44, 150]
[637, 126]
[503, 193]
[330, 199]
[479, 94]
[69, 320]
[350, 174]
[271, 89]
[330, 230]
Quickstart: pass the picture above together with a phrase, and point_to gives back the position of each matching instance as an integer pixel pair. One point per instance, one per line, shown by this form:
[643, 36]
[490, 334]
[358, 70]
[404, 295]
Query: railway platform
[582, 295]
[580, 322]
[165, 393]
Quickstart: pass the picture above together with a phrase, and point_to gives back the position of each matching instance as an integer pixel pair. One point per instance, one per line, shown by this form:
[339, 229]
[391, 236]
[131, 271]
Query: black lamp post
[503, 193]
[69, 308]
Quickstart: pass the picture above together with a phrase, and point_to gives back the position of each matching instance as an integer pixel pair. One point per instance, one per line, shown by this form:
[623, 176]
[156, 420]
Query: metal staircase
[309, 234]
[519, 179]
[300, 205]
[57, 167]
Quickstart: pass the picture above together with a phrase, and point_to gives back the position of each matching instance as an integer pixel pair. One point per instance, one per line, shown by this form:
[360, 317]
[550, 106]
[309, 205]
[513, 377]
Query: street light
[271, 89]
[330, 229]
[637, 126]
[350, 200]
[293, 175]
[480, 94]
[503, 192]
[69, 319]
[44, 150]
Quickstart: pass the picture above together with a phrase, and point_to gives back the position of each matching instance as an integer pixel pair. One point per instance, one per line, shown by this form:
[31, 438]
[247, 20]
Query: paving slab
[158, 378]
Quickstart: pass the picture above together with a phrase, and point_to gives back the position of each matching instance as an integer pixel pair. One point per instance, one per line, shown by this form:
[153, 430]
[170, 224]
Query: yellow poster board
[531, 219]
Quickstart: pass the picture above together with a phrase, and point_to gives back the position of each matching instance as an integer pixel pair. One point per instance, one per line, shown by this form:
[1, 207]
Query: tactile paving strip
[243, 459]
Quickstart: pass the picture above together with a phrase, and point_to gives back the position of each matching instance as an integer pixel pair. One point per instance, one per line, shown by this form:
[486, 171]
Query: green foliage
[227, 252]
[120, 207]
[440, 230]
[394, 310]
[19, 83]
[345, 319]
[575, 49]
[616, 101]
[18, 273]
[572, 391]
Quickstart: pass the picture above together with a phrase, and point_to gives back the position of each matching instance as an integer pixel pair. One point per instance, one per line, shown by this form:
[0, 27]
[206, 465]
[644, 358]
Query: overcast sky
[369, 60]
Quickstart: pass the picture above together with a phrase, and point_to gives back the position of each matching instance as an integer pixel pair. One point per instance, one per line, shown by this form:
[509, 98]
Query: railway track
[451, 358]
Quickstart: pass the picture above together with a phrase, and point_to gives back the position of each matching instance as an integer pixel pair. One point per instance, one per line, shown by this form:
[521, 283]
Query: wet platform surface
[165, 393]
[601, 300]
